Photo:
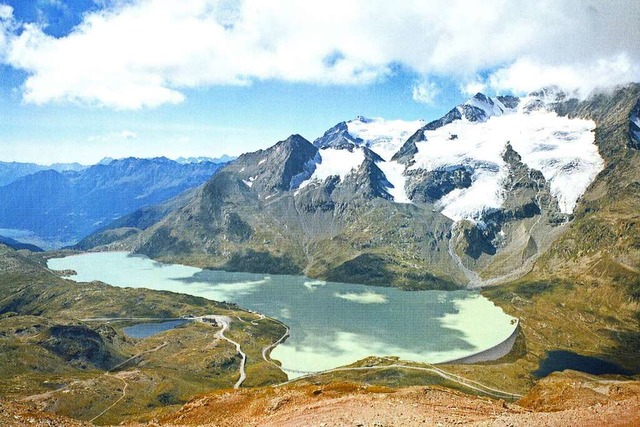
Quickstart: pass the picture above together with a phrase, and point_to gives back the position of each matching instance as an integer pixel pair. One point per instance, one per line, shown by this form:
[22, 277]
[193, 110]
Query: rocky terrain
[563, 399]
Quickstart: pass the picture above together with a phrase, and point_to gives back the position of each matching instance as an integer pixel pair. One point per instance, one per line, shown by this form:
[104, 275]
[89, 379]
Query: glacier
[384, 137]
[562, 149]
[473, 135]
[335, 161]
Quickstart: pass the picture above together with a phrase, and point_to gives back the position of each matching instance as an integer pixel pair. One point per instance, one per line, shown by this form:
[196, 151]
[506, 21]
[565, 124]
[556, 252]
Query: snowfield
[333, 161]
[562, 149]
[394, 172]
[385, 137]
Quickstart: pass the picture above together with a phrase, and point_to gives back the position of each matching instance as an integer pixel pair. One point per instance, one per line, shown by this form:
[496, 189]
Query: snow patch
[333, 161]
[394, 172]
[384, 137]
[249, 183]
[261, 161]
[636, 121]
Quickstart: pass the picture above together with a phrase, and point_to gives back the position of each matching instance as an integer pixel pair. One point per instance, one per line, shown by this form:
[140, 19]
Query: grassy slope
[171, 368]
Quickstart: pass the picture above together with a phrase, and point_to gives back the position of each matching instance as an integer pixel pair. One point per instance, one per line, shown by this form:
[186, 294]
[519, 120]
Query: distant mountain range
[62, 206]
[11, 171]
[14, 244]
[472, 198]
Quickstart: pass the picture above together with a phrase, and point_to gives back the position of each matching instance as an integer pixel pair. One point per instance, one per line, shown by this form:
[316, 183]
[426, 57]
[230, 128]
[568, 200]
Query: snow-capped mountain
[378, 138]
[385, 137]
[482, 190]
[561, 148]
[470, 139]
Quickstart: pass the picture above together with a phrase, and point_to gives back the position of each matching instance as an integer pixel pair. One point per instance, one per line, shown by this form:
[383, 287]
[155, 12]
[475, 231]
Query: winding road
[224, 321]
[267, 349]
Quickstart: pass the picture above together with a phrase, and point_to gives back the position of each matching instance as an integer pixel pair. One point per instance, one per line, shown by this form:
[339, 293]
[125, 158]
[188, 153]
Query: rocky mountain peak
[337, 137]
[363, 119]
[278, 168]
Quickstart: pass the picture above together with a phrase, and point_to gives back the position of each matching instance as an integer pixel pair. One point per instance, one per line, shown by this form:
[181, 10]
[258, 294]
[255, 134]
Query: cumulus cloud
[473, 86]
[425, 92]
[144, 53]
[525, 75]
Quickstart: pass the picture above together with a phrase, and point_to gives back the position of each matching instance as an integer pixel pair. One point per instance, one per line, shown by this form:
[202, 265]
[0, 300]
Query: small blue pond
[144, 330]
[559, 360]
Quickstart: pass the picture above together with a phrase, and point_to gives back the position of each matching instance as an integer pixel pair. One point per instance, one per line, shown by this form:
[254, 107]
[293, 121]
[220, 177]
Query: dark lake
[559, 360]
[144, 330]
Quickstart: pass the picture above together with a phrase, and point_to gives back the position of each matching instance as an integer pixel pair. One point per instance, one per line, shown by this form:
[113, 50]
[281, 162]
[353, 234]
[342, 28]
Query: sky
[85, 79]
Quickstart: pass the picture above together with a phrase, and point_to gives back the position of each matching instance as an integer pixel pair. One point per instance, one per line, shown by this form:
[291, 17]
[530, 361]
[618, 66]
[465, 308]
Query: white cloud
[525, 75]
[127, 134]
[425, 92]
[6, 11]
[471, 87]
[144, 53]
[6, 26]
[123, 135]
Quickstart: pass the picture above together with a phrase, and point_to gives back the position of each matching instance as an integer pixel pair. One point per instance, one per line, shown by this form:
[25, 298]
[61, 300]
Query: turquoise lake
[332, 324]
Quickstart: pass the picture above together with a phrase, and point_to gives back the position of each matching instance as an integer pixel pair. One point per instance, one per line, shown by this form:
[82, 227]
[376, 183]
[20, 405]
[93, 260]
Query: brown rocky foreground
[566, 399]
[20, 414]
[562, 399]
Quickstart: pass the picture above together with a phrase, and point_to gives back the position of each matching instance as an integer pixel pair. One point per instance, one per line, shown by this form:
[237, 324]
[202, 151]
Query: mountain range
[61, 207]
[11, 171]
[473, 198]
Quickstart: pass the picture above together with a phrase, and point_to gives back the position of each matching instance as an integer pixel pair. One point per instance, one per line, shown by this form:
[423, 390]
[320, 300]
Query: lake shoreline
[359, 320]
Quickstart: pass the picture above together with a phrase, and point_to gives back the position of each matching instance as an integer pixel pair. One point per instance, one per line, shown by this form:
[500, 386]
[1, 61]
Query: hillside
[53, 361]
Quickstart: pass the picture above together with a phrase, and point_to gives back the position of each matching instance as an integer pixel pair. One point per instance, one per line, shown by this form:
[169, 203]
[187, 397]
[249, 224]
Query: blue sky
[82, 79]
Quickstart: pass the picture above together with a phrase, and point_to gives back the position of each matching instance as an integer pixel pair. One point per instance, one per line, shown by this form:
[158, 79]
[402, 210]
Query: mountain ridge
[334, 209]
